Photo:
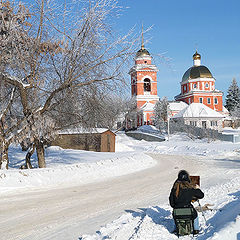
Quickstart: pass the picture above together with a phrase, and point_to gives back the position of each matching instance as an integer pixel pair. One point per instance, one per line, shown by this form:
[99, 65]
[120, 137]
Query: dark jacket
[184, 198]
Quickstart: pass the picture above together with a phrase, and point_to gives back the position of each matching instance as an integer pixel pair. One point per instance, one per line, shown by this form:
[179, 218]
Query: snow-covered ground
[220, 181]
[77, 167]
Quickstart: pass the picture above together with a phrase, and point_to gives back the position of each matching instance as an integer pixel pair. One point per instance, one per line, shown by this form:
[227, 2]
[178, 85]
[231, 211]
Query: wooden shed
[98, 140]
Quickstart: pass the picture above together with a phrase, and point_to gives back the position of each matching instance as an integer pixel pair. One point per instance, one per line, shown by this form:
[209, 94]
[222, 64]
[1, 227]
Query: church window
[200, 100]
[214, 123]
[147, 85]
[207, 85]
[193, 123]
[145, 61]
[194, 85]
[209, 100]
[204, 124]
[215, 100]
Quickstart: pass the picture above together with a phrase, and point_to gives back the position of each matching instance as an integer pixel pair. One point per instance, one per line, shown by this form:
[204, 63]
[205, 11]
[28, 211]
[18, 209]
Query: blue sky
[179, 26]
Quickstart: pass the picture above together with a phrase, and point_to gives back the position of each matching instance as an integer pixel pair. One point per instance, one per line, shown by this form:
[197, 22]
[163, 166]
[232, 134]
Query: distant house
[98, 140]
[199, 115]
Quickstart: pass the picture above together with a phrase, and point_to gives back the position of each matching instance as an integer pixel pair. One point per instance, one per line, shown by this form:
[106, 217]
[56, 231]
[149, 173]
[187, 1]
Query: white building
[199, 115]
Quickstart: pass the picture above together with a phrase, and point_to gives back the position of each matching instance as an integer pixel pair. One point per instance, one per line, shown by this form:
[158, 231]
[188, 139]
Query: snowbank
[70, 167]
[180, 144]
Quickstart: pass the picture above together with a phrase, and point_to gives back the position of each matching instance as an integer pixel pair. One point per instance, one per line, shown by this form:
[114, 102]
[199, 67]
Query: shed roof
[84, 130]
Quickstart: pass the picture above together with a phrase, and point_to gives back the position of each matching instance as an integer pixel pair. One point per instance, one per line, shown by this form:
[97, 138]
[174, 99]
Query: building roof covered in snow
[177, 106]
[148, 106]
[198, 110]
[225, 111]
[83, 130]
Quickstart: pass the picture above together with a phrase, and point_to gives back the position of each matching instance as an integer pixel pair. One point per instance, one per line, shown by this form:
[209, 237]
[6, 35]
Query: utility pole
[168, 121]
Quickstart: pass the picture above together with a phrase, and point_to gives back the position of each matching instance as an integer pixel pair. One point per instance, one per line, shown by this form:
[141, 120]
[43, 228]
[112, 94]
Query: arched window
[147, 85]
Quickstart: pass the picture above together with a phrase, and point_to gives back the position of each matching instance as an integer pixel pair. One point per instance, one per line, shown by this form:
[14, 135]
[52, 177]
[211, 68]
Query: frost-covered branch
[13, 80]
[60, 69]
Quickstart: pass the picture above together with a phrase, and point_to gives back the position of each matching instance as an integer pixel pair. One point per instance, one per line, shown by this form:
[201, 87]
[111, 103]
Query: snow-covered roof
[148, 106]
[225, 113]
[225, 110]
[83, 130]
[198, 110]
[177, 106]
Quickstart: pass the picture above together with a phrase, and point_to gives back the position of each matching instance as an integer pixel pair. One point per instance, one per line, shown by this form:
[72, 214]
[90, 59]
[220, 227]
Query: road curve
[67, 213]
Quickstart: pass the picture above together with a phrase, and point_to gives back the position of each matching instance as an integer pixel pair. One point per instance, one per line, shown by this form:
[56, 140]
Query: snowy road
[67, 213]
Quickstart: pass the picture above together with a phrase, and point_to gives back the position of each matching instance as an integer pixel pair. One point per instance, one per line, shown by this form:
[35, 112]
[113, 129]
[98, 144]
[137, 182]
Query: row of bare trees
[58, 66]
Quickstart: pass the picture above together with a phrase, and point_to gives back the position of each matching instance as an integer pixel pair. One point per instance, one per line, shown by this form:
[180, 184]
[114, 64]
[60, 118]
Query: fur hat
[183, 175]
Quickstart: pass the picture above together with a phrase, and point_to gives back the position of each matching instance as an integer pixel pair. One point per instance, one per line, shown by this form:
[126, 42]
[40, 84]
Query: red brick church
[198, 86]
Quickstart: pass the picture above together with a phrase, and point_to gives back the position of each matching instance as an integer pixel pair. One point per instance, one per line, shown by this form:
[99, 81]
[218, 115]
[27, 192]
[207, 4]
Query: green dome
[197, 72]
[142, 52]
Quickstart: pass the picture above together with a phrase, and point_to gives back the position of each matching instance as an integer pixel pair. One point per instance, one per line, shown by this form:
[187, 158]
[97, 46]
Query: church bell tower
[144, 83]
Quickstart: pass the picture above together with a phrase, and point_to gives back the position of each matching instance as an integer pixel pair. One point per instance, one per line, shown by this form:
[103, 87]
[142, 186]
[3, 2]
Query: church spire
[142, 47]
[142, 52]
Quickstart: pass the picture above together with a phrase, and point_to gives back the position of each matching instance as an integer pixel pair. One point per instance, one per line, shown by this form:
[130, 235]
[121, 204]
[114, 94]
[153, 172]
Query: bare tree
[6, 128]
[46, 61]
[98, 108]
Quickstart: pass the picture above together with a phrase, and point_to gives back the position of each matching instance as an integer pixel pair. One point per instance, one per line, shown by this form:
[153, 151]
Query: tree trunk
[40, 154]
[28, 157]
[4, 156]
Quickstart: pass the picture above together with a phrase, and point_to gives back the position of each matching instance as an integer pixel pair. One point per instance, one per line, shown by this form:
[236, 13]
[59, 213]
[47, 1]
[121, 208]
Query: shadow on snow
[220, 220]
[164, 218]
[158, 215]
